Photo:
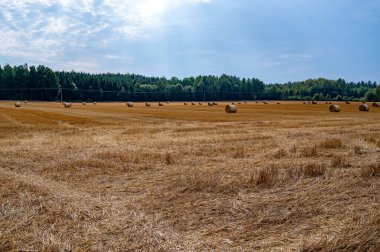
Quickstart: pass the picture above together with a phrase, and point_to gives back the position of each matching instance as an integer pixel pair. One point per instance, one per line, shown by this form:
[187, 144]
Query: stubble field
[272, 177]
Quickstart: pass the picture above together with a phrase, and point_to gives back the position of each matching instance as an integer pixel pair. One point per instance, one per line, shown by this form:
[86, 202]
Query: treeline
[41, 83]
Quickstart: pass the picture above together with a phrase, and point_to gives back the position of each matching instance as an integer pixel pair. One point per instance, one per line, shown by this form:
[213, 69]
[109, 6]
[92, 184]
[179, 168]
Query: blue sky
[273, 40]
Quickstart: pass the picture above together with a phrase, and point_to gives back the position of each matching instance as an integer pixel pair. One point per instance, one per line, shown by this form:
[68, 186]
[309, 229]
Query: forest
[25, 82]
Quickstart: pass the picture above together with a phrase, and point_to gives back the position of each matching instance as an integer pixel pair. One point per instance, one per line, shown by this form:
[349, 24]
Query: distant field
[272, 177]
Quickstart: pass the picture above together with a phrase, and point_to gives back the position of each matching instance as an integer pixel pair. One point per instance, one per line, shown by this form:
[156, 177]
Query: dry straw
[17, 104]
[231, 109]
[334, 108]
[376, 104]
[363, 107]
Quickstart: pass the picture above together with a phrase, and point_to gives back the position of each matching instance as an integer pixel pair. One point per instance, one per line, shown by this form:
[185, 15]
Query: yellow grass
[272, 177]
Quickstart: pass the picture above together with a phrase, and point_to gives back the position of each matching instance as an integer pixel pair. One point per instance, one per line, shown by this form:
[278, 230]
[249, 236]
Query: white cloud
[49, 30]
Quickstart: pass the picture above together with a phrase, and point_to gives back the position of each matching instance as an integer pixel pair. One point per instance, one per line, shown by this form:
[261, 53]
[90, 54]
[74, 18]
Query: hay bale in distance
[94, 103]
[314, 102]
[363, 107]
[214, 103]
[185, 103]
[25, 101]
[348, 102]
[17, 104]
[376, 104]
[160, 104]
[67, 104]
[210, 103]
[84, 103]
[147, 104]
[199, 103]
[233, 103]
[230, 109]
[130, 104]
[334, 108]
[192, 103]
[278, 102]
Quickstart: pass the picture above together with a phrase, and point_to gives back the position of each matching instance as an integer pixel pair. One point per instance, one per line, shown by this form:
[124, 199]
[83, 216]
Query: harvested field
[271, 177]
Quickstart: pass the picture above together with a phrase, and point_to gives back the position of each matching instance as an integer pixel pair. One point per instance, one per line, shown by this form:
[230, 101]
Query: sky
[272, 40]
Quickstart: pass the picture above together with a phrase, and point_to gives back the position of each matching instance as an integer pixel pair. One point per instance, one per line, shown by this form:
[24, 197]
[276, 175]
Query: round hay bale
[334, 108]
[376, 104]
[185, 103]
[308, 102]
[239, 103]
[130, 104]
[67, 104]
[233, 103]
[147, 104]
[304, 102]
[363, 107]
[210, 103]
[84, 103]
[94, 103]
[327, 102]
[160, 104]
[257, 102]
[199, 103]
[192, 103]
[330, 102]
[314, 102]
[348, 102]
[214, 103]
[278, 103]
[17, 104]
[25, 101]
[265, 102]
[230, 109]
[167, 102]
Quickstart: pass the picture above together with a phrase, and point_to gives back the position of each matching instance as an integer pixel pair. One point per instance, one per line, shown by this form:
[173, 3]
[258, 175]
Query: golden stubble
[271, 177]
